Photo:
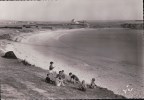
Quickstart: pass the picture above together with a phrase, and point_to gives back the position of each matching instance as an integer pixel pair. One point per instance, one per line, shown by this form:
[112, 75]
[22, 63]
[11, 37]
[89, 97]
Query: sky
[63, 10]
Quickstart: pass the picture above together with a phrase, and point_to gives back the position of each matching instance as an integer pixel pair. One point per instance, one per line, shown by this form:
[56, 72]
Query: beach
[116, 65]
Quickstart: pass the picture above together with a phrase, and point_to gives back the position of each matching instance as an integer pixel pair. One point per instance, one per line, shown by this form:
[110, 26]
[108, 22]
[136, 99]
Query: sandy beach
[117, 79]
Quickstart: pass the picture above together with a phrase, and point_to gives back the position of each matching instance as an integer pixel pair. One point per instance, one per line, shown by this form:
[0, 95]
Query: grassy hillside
[28, 82]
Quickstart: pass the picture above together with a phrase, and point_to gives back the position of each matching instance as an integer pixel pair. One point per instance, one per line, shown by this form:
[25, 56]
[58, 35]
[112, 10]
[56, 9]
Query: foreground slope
[27, 82]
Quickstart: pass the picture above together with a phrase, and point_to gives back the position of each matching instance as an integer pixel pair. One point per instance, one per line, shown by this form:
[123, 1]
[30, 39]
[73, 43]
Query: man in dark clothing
[74, 78]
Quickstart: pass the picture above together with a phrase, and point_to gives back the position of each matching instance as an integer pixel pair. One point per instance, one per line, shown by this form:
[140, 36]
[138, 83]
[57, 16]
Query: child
[93, 85]
[47, 79]
[83, 86]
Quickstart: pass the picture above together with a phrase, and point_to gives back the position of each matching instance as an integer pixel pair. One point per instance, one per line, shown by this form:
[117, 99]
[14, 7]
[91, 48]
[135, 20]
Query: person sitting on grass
[73, 78]
[93, 85]
[59, 79]
[63, 76]
[47, 79]
[50, 79]
[82, 86]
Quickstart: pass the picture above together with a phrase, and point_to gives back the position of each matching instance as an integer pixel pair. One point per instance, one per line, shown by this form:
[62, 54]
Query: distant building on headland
[83, 23]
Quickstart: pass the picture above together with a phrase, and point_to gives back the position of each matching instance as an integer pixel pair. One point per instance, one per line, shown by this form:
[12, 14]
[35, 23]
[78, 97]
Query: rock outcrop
[10, 55]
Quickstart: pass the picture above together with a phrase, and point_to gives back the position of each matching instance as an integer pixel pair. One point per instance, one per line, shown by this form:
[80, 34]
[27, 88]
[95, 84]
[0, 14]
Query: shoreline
[25, 42]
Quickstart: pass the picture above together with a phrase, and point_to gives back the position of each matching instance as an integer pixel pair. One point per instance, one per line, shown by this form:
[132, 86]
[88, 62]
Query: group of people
[60, 79]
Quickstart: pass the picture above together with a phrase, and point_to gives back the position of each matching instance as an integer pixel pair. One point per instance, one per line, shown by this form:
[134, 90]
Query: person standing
[51, 66]
[51, 71]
